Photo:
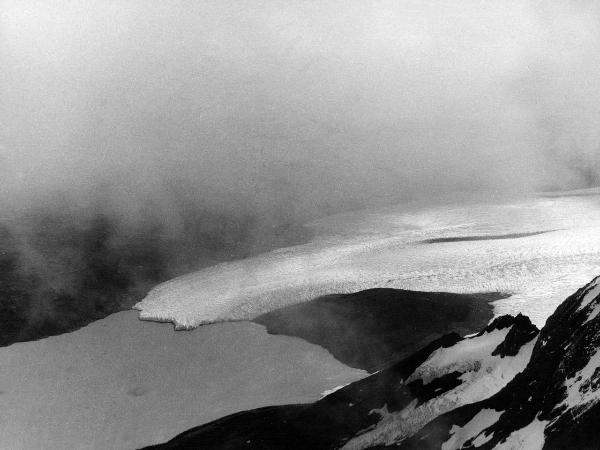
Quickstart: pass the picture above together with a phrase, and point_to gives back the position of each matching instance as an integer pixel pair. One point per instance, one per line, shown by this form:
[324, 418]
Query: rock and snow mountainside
[508, 387]
[552, 404]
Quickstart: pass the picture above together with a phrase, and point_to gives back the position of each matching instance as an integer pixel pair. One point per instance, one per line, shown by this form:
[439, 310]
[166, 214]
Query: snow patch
[464, 356]
[592, 315]
[580, 388]
[482, 439]
[530, 437]
[482, 420]
[332, 390]
[591, 294]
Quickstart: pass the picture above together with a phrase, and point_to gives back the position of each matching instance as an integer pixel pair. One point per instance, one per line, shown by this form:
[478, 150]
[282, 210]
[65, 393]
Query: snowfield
[392, 248]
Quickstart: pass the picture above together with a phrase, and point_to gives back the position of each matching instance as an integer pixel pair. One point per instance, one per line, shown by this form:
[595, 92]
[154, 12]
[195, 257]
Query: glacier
[460, 247]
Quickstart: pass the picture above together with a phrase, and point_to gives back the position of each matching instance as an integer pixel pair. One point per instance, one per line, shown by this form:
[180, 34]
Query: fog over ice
[168, 119]
[296, 104]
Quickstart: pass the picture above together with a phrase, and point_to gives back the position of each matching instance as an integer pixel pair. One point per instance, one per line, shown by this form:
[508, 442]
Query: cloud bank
[303, 104]
[142, 139]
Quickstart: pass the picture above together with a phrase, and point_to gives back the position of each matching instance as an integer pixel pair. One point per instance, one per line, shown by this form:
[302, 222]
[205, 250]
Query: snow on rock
[553, 402]
[581, 388]
[480, 374]
[473, 429]
[470, 355]
[530, 437]
[591, 298]
[591, 293]
[388, 248]
[593, 314]
[332, 390]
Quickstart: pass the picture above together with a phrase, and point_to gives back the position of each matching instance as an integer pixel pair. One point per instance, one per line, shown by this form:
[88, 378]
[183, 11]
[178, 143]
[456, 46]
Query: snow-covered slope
[539, 249]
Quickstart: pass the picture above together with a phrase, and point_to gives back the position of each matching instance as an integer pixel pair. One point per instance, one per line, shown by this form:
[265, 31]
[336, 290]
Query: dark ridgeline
[59, 272]
[373, 328]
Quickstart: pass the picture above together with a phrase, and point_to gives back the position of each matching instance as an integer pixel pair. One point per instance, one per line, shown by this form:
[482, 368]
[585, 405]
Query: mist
[311, 102]
[221, 126]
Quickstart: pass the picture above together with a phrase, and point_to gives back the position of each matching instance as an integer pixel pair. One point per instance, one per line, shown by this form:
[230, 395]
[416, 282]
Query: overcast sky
[296, 102]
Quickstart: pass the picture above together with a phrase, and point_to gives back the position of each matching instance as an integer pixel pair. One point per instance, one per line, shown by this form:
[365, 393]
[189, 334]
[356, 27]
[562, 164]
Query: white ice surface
[530, 437]
[120, 383]
[383, 249]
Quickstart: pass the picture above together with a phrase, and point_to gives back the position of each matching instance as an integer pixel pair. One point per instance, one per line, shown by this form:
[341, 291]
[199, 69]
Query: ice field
[120, 383]
[539, 249]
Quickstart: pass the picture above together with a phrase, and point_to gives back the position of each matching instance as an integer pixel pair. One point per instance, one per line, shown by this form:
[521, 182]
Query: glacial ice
[387, 248]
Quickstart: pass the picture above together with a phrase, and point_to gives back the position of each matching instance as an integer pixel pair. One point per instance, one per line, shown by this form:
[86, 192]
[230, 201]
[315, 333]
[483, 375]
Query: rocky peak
[553, 403]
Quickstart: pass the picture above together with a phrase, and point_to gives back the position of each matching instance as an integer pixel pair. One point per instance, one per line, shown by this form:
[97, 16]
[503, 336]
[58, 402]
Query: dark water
[59, 272]
[373, 328]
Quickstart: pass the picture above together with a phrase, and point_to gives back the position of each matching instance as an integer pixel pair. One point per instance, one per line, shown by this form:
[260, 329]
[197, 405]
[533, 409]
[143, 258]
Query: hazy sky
[299, 103]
